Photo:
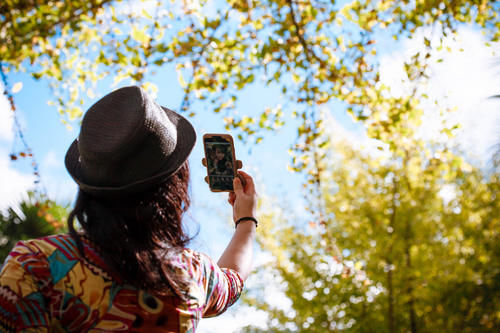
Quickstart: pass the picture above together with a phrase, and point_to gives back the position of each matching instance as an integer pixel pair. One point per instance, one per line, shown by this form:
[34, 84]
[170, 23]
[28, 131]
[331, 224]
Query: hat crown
[120, 121]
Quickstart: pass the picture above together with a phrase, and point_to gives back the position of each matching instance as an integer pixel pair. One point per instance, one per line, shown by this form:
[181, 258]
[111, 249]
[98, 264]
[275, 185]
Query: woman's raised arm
[239, 252]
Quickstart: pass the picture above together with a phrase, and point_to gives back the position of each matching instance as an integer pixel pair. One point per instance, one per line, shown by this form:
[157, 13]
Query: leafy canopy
[314, 52]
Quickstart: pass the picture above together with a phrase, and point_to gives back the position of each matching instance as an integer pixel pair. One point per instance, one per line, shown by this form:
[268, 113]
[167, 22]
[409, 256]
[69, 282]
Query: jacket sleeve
[23, 276]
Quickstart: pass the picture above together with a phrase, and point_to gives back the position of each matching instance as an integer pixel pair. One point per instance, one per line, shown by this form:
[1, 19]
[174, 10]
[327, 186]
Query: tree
[418, 226]
[36, 216]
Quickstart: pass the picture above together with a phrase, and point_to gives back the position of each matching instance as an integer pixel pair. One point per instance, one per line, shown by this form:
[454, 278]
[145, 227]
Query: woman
[127, 268]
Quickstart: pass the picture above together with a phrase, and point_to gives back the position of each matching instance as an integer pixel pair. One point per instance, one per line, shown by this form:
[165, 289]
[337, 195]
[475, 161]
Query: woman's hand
[244, 198]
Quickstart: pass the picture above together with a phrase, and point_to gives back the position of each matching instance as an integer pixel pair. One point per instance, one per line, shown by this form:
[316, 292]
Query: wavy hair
[137, 236]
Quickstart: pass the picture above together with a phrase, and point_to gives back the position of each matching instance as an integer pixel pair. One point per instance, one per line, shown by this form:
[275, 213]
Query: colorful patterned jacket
[46, 286]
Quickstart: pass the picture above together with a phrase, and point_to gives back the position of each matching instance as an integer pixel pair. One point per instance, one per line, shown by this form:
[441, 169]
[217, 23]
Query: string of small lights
[26, 151]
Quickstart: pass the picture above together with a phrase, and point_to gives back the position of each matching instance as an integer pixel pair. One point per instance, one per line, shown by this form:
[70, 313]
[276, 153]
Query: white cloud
[358, 139]
[6, 119]
[13, 184]
[59, 189]
[462, 77]
[51, 161]
[57, 182]
[137, 6]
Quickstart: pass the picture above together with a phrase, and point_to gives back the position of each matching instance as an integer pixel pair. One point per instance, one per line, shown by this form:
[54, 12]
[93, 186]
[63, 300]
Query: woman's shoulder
[44, 247]
[39, 258]
[197, 267]
[191, 260]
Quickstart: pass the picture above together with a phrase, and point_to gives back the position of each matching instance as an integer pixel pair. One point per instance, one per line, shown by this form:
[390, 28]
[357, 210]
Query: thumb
[238, 187]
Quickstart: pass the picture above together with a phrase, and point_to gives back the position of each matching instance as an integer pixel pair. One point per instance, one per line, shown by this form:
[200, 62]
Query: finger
[231, 198]
[243, 181]
[204, 161]
[248, 180]
[206, 179]
[239, 164]
[238, 187]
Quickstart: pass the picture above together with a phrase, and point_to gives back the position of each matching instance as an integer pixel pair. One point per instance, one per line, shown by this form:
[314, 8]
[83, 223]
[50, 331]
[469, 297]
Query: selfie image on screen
[220, 165]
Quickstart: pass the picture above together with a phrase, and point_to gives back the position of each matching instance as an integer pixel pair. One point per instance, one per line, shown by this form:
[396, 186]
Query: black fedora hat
[127, 144]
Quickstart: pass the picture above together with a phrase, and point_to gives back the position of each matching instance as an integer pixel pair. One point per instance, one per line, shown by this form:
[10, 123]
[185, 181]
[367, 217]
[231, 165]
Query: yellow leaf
[139, 35]
[182, 82]
[90, 93]
[146, 14]
[371, 94]
[150, 87]
[371, 23]
[74, 113]
[17, 87]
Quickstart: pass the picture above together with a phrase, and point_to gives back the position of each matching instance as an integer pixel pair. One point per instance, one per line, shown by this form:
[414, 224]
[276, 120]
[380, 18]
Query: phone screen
[220, 163]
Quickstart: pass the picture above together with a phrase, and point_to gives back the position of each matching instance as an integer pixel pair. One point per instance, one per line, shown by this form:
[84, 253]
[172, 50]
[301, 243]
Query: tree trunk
[390, 314]
[411, 301]
[390, 287]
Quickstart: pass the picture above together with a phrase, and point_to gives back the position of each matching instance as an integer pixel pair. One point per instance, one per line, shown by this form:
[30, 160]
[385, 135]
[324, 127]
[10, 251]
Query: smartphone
[220, 161]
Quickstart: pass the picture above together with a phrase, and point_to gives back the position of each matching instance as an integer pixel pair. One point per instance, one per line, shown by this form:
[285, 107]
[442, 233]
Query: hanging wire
[27, 152]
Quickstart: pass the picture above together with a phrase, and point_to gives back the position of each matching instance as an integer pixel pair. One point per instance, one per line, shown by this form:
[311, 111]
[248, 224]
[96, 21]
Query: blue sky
[467, 87]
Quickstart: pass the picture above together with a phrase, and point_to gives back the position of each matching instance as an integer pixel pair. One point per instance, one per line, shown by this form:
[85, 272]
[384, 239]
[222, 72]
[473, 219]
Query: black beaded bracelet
[246, 218]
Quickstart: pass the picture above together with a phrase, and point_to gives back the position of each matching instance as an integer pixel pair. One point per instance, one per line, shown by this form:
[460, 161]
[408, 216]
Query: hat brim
[186, 139]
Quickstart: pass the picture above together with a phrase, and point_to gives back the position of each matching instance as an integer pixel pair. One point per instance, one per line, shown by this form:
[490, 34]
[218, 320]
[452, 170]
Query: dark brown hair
[138, 235]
